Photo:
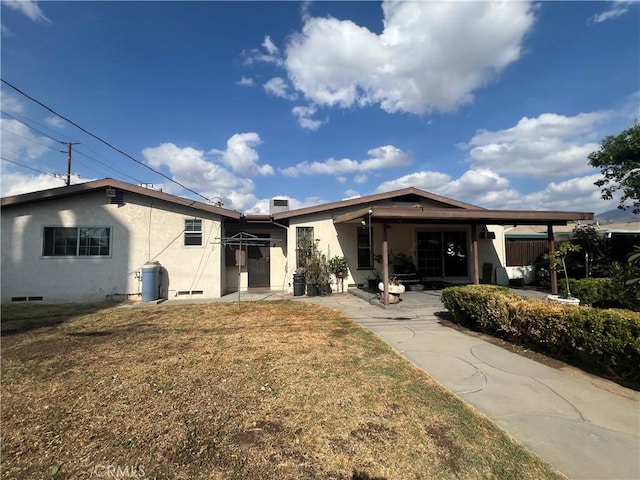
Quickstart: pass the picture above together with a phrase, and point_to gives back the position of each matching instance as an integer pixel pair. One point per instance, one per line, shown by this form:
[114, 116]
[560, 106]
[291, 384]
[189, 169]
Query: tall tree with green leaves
[619, 161]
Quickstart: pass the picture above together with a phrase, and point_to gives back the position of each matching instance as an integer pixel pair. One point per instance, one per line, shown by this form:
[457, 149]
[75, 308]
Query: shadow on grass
[22, 318]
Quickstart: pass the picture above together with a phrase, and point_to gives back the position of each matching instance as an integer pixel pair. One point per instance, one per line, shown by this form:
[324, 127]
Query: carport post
[385, 265]
[474, 254]
[552, 247]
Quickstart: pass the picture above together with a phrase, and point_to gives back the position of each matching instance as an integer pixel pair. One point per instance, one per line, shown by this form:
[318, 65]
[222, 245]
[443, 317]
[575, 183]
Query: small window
[76, 242]
[193, 232]
[304, 244]
[365, 257]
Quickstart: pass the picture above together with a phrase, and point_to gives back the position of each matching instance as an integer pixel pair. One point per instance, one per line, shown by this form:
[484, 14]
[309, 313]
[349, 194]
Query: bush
[624, 293]
[599, 339]
[590, 291]
[482, 307]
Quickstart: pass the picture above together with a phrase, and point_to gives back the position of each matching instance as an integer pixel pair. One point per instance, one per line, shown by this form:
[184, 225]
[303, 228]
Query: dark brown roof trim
[448, 215]
[81, 188]
[375, 198]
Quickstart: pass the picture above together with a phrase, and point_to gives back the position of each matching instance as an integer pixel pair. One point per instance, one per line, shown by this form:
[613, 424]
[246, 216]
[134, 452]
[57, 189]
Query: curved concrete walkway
[585, 426]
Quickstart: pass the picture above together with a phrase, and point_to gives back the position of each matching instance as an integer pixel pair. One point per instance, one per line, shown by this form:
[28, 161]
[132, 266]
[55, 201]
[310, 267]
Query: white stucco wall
[142, 229]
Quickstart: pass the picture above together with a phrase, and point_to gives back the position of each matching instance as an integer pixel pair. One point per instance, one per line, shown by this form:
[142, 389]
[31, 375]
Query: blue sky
[495, 104]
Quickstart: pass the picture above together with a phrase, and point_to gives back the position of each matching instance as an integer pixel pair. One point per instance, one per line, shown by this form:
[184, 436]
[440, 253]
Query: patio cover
[419, 214]
[468, 216]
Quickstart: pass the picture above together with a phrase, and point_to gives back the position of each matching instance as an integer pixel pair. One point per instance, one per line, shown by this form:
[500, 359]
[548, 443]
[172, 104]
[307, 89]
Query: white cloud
[549, 146]
[5, 31]
[29, 8]
[19, 142]
[617, 9]
[490, 190]
[350, 194]
[304, 115]
[241, 156]
[360, 178]
[15, 183]
[270, 47]
[9, 103]
[246, 82]
[428, 181]
[191, 168]
[55, 121]
[269, 54]
[341, 179]
[380, 157]
[278, 87]
[430, 55]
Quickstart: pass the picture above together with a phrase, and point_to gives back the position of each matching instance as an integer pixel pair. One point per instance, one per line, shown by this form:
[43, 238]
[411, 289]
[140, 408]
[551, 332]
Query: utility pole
[70, 147]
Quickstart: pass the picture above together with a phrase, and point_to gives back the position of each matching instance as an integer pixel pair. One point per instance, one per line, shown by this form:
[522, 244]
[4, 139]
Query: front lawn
[271, 390]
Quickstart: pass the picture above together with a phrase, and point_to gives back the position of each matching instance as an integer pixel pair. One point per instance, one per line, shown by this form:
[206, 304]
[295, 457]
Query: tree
[557, 260]
[619, 161]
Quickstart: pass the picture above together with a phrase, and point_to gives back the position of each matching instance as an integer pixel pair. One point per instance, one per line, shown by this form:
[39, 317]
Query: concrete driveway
[585, 426]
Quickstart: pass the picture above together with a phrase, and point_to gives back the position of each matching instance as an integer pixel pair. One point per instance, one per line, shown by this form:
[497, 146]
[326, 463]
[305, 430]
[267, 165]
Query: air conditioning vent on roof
[277, 205]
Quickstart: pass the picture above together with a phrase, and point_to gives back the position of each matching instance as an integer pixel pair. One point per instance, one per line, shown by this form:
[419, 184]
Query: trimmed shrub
[482, 307]
[604, 340]
[590, 291]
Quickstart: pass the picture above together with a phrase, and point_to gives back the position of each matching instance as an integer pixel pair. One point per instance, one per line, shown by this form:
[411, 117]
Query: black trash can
[298, 284]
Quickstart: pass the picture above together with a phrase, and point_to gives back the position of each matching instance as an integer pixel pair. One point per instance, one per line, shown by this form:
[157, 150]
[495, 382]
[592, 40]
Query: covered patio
[475, 221]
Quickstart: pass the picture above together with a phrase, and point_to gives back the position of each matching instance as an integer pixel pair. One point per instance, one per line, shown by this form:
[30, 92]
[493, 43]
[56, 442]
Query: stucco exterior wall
[142, 229]
[341, 239]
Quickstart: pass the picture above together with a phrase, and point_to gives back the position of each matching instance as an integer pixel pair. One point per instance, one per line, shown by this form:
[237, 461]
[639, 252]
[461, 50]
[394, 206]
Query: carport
[477, 219]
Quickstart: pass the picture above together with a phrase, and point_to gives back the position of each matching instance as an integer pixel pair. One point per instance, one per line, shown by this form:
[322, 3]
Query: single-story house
[92, 241]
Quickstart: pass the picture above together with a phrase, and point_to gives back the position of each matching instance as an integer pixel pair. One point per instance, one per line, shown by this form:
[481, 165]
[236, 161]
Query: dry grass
[273, 390]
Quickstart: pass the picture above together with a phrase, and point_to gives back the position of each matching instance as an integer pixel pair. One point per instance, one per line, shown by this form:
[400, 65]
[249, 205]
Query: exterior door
[258, 265]
[442, 254]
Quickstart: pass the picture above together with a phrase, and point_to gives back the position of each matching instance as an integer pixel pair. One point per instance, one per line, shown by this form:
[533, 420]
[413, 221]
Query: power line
[110, 167]
[101, 140]
[30, 127]
[27, 138]
[54, 175]
[22, 118]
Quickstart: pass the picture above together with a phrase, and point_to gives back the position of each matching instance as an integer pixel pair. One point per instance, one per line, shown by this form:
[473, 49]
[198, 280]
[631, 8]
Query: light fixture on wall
[485, 233]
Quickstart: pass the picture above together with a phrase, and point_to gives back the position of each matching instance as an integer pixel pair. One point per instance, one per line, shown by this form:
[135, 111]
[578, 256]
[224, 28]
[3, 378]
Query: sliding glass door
[442, 254]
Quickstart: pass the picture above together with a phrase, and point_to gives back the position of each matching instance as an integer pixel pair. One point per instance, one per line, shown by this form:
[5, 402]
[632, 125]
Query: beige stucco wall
[142, 229]
[341, 240]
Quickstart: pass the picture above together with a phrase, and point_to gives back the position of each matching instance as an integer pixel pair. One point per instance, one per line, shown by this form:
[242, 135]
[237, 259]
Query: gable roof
[96, 185]
[405, 193]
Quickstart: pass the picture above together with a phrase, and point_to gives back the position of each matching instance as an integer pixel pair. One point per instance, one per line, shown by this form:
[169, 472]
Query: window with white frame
[76, 241]
[193, 232]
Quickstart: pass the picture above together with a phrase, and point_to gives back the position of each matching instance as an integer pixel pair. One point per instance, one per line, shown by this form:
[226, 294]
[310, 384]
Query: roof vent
[277, 205]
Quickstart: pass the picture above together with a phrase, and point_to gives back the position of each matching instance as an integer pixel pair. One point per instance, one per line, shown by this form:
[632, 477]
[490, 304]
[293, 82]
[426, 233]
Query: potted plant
[395, 286]
[402, 263]
[339, 267]
[312, 274]
[557, 262]
[324, 276]
[374, 279]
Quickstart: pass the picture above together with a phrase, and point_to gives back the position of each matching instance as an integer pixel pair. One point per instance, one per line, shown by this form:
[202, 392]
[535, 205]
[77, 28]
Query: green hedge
[605, 340]
[604, 292]
[590, 291]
